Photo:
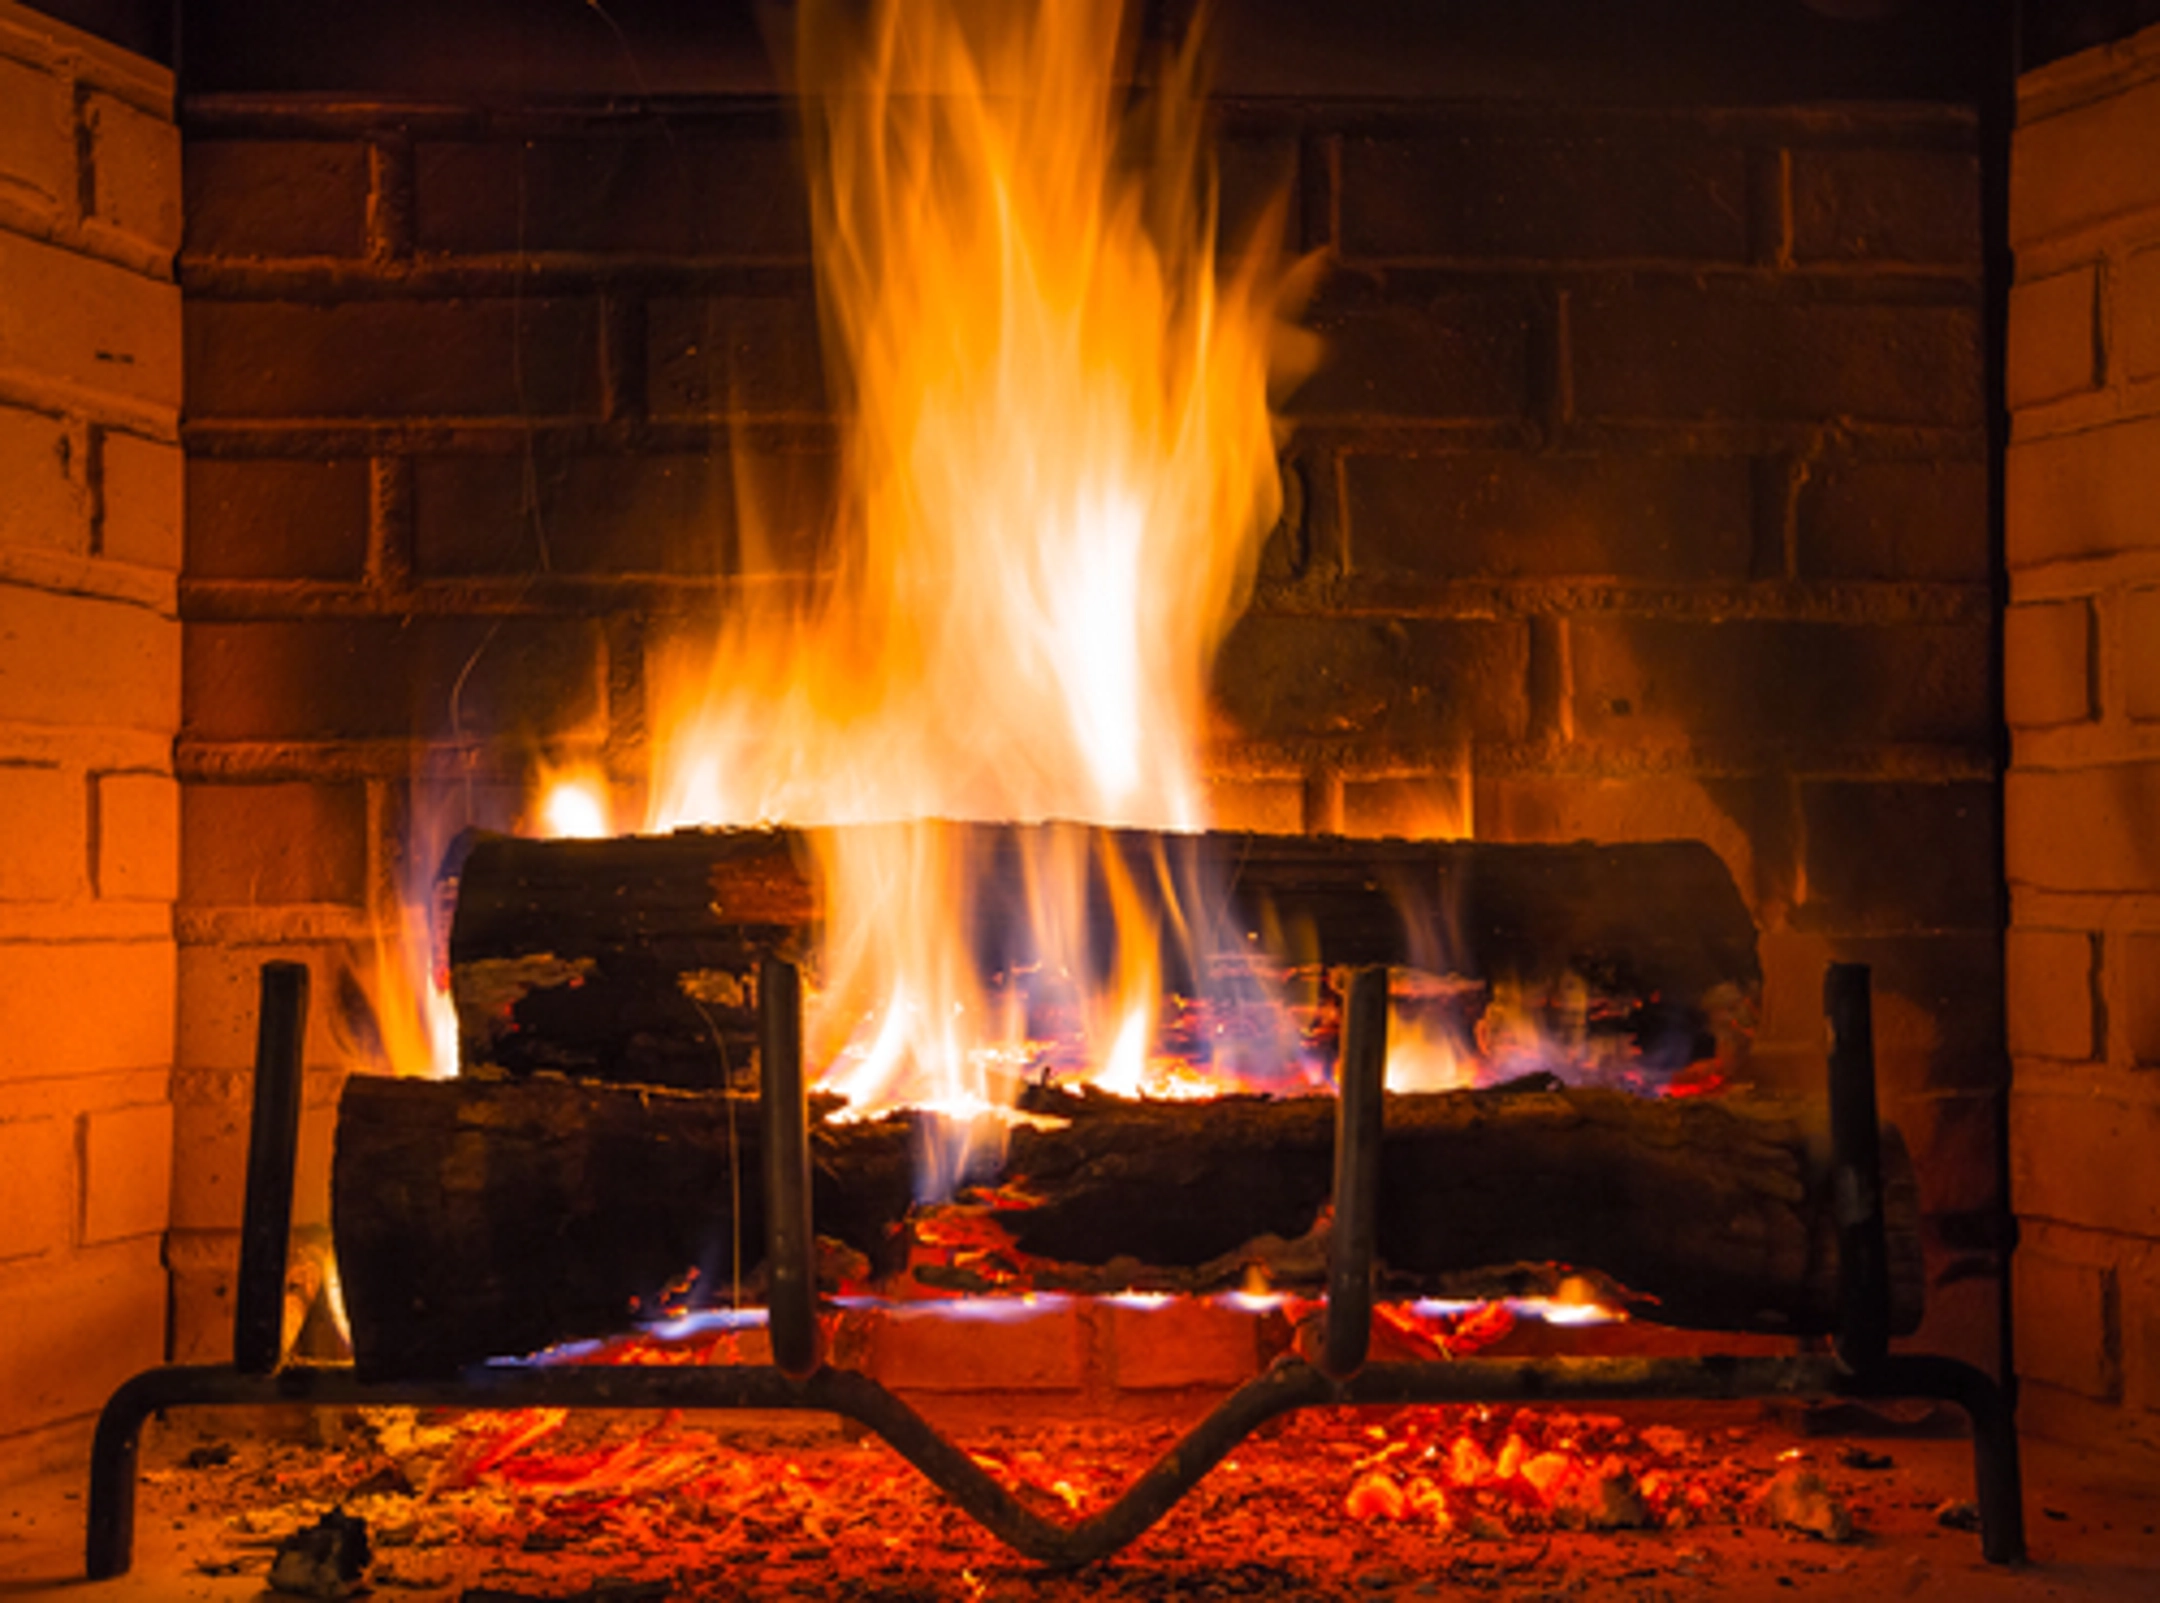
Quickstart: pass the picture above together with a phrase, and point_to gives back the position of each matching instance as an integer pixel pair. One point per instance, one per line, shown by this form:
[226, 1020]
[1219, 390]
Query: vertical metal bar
[109, 1527]
[790, 1270]
[1863, 1333]
[1997, 1482]
[273, 1145]
[1361, 1087]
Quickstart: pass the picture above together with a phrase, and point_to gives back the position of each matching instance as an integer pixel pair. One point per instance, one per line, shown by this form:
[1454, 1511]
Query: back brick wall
[1643, 495]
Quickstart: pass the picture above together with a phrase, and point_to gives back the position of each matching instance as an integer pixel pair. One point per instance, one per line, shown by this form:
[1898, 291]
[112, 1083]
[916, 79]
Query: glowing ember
[1335, 1505]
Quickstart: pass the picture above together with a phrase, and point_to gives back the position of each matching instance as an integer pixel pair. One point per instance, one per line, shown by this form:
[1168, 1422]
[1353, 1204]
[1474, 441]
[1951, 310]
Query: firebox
[1639, 448]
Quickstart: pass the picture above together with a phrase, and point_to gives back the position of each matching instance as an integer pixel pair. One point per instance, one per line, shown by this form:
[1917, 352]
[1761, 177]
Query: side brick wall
[1643, 495]
[90, 491]
[2082, 665]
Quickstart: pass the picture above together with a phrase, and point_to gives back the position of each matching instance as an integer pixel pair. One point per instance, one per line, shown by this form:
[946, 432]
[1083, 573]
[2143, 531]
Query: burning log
[479, 1218]
[631, 960]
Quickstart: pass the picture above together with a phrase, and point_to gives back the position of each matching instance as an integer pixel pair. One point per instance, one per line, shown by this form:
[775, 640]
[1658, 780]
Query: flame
[574, 803]
[406, 972]
[1058, 467]
[409, 993]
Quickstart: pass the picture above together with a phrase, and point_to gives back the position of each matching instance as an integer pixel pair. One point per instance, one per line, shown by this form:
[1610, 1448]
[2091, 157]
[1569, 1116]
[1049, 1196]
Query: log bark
[481, 1218]
[631, 959]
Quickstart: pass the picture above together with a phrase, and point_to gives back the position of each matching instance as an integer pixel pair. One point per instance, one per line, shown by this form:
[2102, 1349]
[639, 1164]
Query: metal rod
[790, 1272]
[1361, 1095]
[1288, 1386]
[1863, 1325]
[1998, 1483]
[273, 1147]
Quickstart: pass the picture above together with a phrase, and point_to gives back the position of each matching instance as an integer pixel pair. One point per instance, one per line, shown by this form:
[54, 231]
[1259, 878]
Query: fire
[409, 998]
[574, 803]
[406, 979]
[1058, 467]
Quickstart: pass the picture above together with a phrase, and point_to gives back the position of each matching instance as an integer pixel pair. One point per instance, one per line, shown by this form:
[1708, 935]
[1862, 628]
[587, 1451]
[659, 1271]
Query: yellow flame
[407, 980]
[414, 1017]
[1057, 469]
[1424, 1056]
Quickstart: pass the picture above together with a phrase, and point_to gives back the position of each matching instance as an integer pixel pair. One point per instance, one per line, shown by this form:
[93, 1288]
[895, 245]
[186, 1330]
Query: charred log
[481, 1218]
[631, 960]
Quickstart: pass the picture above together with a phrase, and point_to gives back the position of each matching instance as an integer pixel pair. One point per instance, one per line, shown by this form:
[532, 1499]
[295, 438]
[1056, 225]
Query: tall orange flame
[1058, 467]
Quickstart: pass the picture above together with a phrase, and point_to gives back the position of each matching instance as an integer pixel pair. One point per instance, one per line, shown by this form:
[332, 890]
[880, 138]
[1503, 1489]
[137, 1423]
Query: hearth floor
[625, 1507]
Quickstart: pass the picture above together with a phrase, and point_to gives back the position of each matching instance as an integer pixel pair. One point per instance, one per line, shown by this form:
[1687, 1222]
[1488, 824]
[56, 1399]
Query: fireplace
[1648, 491]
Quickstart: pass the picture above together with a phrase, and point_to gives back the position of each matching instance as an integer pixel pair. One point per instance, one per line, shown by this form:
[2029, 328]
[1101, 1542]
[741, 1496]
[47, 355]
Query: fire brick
[276, 197]
[1435, 806]
[1664, 807]
[2137, 315]
[139, 496]
[271, 845]
[212, 1131]
[2109, 1183]
[1471, 195]
[1744, 681]
[1898, 855]
[279, 519]
[678, 190]
[1897, 519]
[391, 678]
[1920, 206]
[1926, 984]
[220, 995]
[2133, 962]
[2081, 495]
[210, 1126]
[2051, 977]
[122, 661]
[2138, 647]
[2066, 1324]
[1491, 514]
[723, 355]
[1452, 356]
[127, 1172]
[71, 1333]
[41, 462]
[2047, 664]
[134, 170]
[77, 1007]
[73, 319]
[1038, 1350]
[2141, 1332]
[644, 513]
[2084, 829]
[1655, 347]
[1954, 1138]
[383, 358]
[1269, 806]
[1407, 682]
[42, 853]
[138, 836]
[2054, 337]
[203, 1266]
[1183, 1344]
[37, 137]
[36, 1183]
[2067, 170]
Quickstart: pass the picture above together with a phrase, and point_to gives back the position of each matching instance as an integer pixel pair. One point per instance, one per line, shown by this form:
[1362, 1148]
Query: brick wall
[2082, 664]
[1644, 495]
[90, 484]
